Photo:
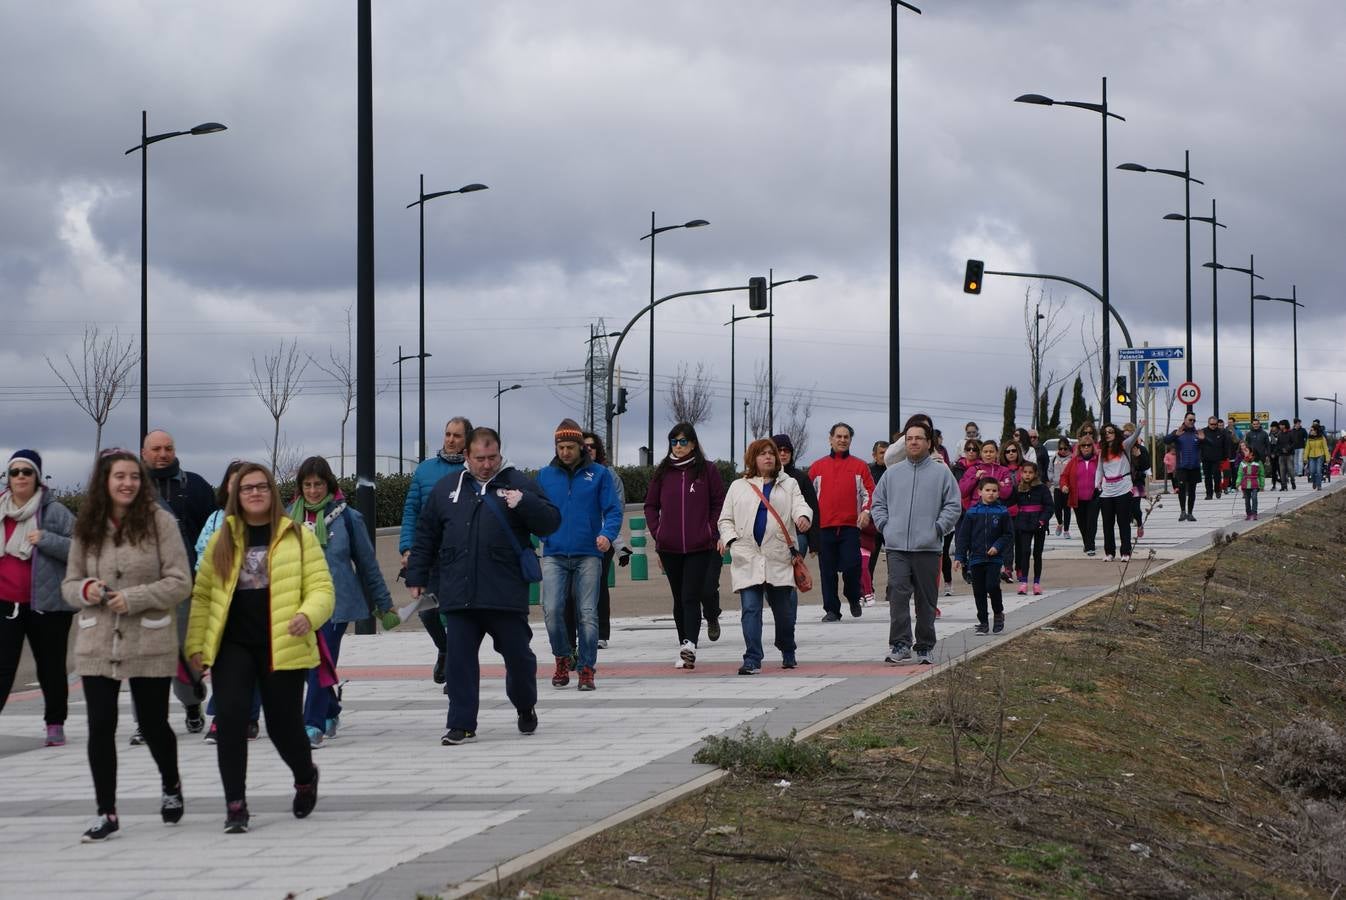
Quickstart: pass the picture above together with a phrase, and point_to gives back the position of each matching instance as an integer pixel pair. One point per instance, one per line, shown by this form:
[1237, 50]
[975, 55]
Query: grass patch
[761, 754]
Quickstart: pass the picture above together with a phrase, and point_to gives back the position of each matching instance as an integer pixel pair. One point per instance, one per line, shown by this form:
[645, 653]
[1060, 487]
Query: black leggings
[946, 559]
[1185, 482]
[1116, 514]
[1060, 498]
[150, 699]
[1028, 547]
[238, 668]
[689, 576]
[47, 635]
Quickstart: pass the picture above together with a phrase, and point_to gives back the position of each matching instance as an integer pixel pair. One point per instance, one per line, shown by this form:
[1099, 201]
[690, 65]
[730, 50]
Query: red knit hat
[569, 431]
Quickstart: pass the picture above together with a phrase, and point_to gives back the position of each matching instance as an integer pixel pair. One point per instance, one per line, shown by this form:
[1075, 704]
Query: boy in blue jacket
[985, 534]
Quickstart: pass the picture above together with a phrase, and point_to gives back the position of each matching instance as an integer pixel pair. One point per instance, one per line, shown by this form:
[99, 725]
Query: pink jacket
[977, 471]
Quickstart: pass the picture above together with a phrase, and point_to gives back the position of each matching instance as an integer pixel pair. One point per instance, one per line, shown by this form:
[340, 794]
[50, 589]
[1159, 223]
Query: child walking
[1033, 514]
[1056, 466]
[1251, 478]
[984, 537]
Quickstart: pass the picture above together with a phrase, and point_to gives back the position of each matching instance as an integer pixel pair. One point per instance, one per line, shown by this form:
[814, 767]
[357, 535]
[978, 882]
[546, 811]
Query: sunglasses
[22, 473]
[678, 442]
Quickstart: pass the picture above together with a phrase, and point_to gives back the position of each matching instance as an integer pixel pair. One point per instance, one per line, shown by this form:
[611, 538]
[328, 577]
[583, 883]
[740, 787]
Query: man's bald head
[158, 450]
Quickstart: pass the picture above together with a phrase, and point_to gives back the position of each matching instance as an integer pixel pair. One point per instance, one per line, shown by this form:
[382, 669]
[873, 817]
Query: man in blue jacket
[572, 557]
[475, 529]
[448, 461]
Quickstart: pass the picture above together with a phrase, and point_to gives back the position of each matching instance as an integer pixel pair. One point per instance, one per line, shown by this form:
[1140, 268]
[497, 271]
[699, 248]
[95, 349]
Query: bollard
[640, 563]
[612, 573]
[534, 589]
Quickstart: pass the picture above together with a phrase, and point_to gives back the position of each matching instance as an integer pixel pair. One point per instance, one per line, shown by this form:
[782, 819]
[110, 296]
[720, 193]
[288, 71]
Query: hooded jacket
[357, 581]
[1079, 479]
[844, 487]
[975, 472]
[477, 565]
[1259, 441]
[423, 481]
[587, 500]
[769, 562]
[49, 556]
[1034, 508]
[682, 508]
[982, 528]
[916, 505]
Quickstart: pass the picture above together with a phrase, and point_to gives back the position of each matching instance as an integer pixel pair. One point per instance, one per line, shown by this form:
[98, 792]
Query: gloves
[624, 557]
[390, 619]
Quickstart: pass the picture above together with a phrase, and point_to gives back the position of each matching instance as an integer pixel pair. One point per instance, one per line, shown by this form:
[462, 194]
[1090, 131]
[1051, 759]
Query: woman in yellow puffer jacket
[262, 590]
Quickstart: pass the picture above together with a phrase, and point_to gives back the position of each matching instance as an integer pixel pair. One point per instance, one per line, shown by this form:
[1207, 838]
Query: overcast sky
[767, 117]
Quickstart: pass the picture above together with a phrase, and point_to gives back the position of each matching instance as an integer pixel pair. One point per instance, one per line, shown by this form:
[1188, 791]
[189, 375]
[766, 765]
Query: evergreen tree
[1080, 412]
[1011, 400]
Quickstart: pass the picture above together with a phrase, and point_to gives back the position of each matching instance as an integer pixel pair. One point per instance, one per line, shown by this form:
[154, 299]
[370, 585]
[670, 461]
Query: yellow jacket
[1315, 447]
[300, 583]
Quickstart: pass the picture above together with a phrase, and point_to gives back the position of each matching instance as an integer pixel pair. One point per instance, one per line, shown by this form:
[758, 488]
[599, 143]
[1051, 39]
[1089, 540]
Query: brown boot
[561, 677]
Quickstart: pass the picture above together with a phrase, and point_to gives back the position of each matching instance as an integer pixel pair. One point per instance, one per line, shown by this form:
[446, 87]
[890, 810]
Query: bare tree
[278, 387]
[798, 410]
[759, 413]
[793, 413]
[1045, 329]
[1093, 351]
[343, 370]
[689, 396]
[102, 376]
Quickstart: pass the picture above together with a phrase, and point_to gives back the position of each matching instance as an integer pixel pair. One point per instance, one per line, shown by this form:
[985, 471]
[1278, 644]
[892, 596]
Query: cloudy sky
[767, 117]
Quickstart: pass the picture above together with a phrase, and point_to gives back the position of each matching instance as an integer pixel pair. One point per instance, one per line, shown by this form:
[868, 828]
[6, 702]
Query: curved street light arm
[1079, 284]
[908, 6]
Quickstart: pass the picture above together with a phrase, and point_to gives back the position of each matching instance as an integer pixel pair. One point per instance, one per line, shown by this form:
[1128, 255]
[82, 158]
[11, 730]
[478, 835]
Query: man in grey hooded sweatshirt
[916, 503]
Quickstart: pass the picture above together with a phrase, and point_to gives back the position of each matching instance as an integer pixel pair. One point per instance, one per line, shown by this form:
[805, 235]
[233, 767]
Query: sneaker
[981, 628]
[561, 677]
[315, 737]
[1066, 534]
[1125, 557]
[602, 643]
[1023, 588]
[196, 722]
[855, 609]
[55, 736]
[331, 730]
[1058, 530]
[1110, 558]
[587, 679]
[998, 625]
[789, 662]
[1254, 517]
[688, 654]
[254, 730]
[305, 797]
[1006, 577]
[831, 617]
[746, 669]
[528, 720]
[679, 663]
[948, 592]
[867, 600]
[923, 658]
[438, 674]
[1088, 553]
[1037, 589]
[170, 806]
[455, 736]
[236, 817]
[1191, 518]
[137, 739]
[100, 829]
[713, 629]
[212, 732]
[897, 654]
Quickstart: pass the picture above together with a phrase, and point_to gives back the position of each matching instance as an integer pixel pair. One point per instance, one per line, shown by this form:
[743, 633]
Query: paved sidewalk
[399, 814]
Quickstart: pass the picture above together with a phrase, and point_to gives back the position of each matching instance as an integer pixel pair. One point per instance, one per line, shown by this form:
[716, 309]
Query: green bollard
[640, 563]
[534, 589]
[612, 575]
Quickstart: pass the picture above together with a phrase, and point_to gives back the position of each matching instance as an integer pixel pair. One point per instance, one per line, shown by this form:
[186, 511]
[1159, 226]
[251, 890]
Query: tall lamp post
[1252, 329]
[733, 325]
[1186, 175]
[421, 200]
[1214, 294]
[499, 392]
[654, 232]
[1295, 306]
[1335, 406]
[401, 359]
[1105, 407]
[894, 332]
[771, 349]
[145, 140]
[594, 336]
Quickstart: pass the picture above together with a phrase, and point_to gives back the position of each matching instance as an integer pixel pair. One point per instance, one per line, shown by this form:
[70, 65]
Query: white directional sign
[1154, 373]
[1139, 354]
[1188, 393]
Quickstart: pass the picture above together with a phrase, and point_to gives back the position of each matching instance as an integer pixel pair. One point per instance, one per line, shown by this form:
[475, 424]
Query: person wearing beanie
[787, 460]
[572, 555]
[36, 541]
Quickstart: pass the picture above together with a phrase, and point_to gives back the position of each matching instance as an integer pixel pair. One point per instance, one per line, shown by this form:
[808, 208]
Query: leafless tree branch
[689, 396]
[102, 377]
[278, 387]
[342, 370]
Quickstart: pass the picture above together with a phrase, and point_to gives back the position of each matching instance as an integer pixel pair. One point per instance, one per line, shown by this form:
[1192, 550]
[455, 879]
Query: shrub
[761, 754]
[1308, 755]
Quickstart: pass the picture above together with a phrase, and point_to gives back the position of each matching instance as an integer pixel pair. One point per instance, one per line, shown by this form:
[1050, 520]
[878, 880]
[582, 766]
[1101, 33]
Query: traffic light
[757, 293]
[621, 400]
[1123, 392]
[972, 276]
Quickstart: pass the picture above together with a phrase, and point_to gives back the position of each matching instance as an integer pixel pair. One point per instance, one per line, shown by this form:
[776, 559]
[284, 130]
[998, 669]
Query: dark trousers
[1185, 482]
[946, 558]
[1062, 511]
[912, 575]
[839, 552]
[1137, 515]
[1028, 548]
[47, 634]
[1286, 470]
[1116, 517]
[604, 606]
[1210, 470]
[434, 626]
[689, 577]
[321, 703]
[238, 669]
[986, 584]
[464, 631]
[149, 696]
[1086, 517]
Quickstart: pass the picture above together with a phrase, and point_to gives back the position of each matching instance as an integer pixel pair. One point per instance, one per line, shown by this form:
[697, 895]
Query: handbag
[528, 561]
[803, 580]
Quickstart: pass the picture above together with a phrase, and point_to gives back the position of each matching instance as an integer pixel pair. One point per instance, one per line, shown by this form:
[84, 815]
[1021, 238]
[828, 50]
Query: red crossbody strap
[789, 542]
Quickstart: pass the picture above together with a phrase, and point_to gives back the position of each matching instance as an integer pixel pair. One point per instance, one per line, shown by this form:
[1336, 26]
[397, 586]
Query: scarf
[320, 523]
[25, 523]
[453, 459]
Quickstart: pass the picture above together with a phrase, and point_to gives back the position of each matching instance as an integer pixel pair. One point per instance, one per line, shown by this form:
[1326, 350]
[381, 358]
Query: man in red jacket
[845, 489]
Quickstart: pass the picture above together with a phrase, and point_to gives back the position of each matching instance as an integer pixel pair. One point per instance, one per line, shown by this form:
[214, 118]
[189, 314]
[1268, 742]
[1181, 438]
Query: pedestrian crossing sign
[1155, 373]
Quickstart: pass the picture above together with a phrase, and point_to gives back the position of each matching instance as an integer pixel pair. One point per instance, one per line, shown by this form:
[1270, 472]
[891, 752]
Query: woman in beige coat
[762, 548]
[126, 574]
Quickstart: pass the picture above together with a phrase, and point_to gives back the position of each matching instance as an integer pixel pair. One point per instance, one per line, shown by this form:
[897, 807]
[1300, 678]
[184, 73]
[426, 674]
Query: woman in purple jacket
[682, 506]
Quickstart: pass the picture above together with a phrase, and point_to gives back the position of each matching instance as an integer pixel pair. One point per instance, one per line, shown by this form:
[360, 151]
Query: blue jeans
[784, 602]
[575, 576]
[1316, 471]
[321, 703]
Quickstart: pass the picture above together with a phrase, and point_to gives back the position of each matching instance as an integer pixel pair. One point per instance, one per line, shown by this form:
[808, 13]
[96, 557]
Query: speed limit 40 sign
[1188, 393]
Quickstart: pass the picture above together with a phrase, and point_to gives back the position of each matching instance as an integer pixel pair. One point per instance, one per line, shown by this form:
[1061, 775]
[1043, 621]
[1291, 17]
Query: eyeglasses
[22, 473]
[254, 488]
[678, 442]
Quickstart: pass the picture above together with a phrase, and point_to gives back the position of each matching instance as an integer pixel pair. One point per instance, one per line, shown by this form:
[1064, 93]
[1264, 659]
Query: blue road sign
[1139, 354]
[1154, 373]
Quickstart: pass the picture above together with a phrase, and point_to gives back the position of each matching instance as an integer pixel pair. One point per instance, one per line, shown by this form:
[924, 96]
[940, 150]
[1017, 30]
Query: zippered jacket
[428, 474]
[979, 470]
[916, 505]
[49, 556]
[844, 487]
[1034, 508]
[357, 581]
[1188, 446]
[1080, 476]
[1251, 476]
[982, 528]
[769, 562]
[589, 507]
[682, 508]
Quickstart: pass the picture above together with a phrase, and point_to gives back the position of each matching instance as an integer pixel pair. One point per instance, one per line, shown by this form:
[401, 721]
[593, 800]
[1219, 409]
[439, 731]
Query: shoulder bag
[803, 580]
[528, 561]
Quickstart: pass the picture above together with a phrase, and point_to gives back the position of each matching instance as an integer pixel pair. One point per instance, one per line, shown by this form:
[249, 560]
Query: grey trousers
[912, 574]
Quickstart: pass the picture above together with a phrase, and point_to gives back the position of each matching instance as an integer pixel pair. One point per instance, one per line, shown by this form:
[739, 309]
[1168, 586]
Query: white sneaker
[867, 600]
[679, 663]
[602, 644]
[688, 655]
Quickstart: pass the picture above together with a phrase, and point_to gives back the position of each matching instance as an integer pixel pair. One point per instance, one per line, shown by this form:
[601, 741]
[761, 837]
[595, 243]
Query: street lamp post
[894, 332]
[1252, 329]
[421, 200]
[1335, 406]
[401, 359]
[499, 392]
[733, 325]
[1105, 408]
[594, 336]
[654, 232]
[1295, 305]
[770, 349]
[1186, 176]
[145, 140]
[1214, 296]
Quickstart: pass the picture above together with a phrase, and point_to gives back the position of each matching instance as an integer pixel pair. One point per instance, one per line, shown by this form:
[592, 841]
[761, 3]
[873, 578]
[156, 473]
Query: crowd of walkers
[169, 580]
